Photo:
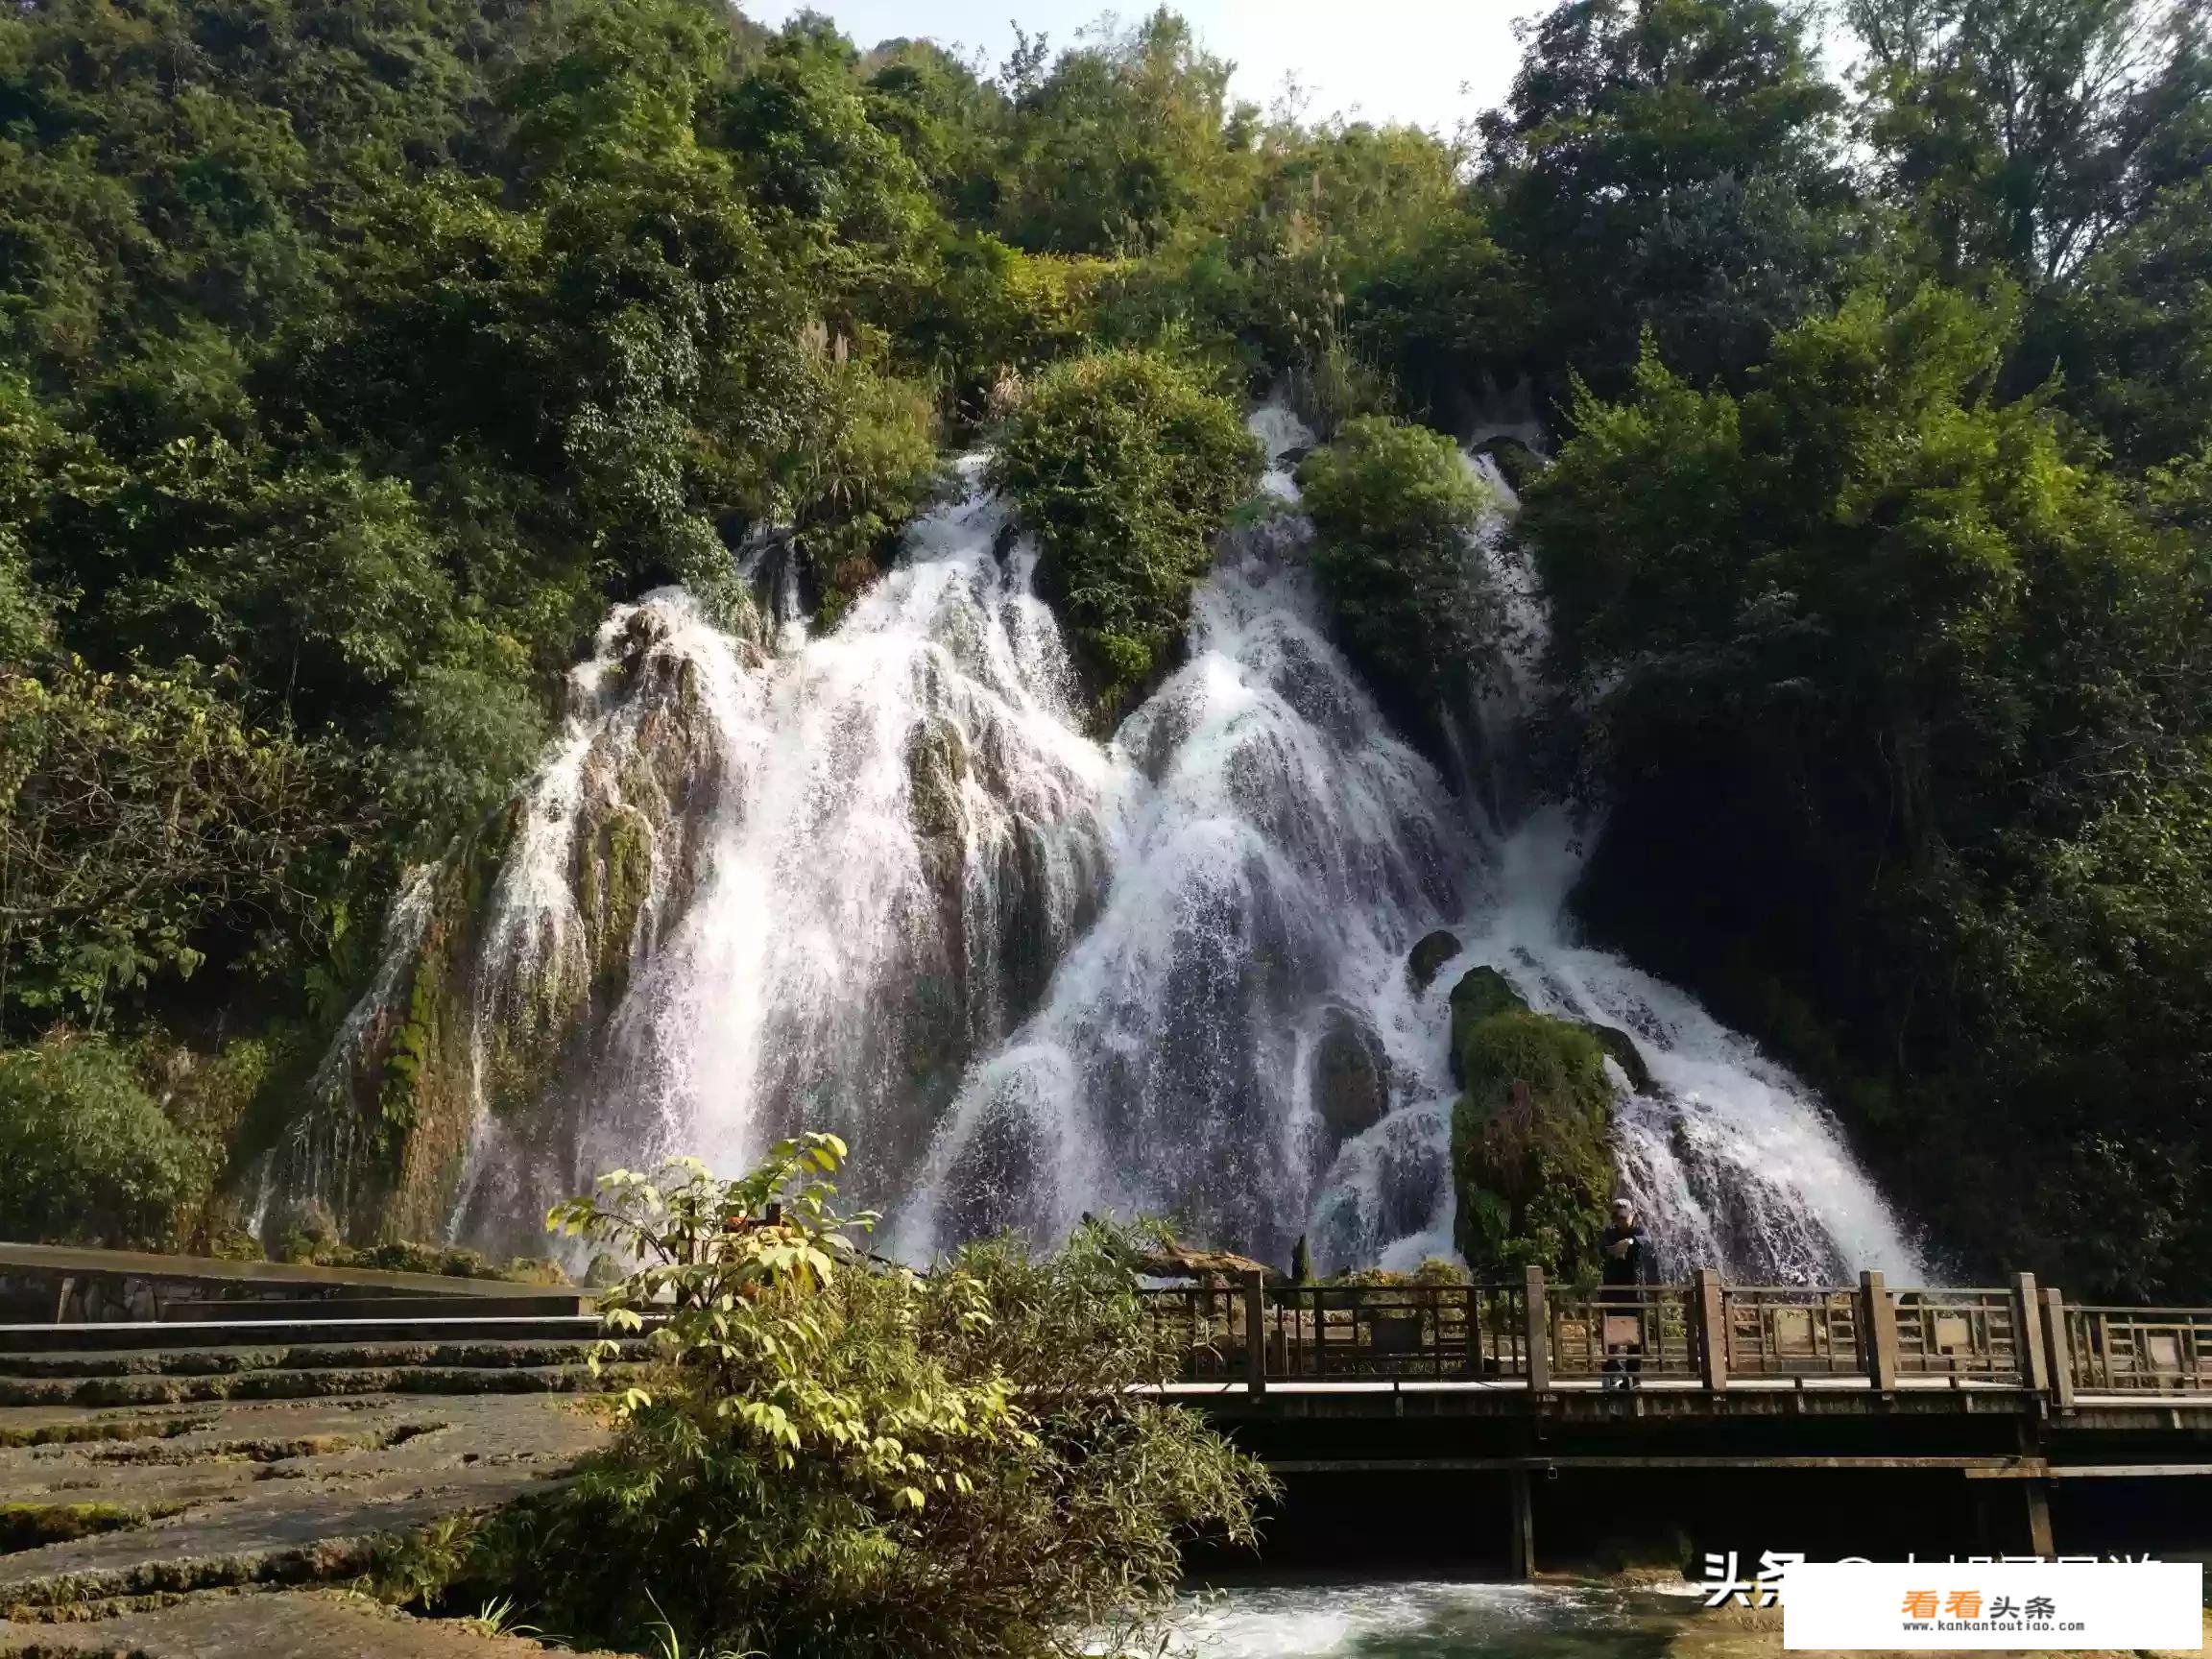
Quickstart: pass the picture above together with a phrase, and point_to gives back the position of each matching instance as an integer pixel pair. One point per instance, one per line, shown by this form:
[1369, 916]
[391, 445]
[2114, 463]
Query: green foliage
[137, 812]
[832, 1457]
[2132, 334]
[1123, 466]
[1531, 1146]
[1884, 684]
[2022, 137]
[1667, 165]
[1120, 141]
[1395, 511]
[85, 1155]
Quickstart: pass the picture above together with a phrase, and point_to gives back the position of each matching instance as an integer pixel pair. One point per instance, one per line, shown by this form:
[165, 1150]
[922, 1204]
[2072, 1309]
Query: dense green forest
[355, 354]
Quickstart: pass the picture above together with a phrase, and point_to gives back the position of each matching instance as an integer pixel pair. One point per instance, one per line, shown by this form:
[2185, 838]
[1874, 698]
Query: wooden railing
[2140, 1350]
[1535, 1335]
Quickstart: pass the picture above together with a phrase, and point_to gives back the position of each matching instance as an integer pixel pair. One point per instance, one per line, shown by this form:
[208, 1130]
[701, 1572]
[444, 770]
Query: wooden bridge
[2014, 1384]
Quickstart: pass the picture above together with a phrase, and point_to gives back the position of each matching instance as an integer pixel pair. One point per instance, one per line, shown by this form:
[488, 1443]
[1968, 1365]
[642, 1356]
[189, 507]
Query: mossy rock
[1480, 993]
[1532, 1145]
[1623, 1048]
[937, 769]
[1430, 956]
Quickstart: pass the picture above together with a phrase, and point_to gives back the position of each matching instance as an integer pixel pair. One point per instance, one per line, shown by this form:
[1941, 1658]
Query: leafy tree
[2023, 135]
[1123, 466]
[1670, 166]
[1874, 654]
[146, 823]
[1123, 140]
[2132, 335]
[1395, 511]
[85, 1155]
[827, 1455]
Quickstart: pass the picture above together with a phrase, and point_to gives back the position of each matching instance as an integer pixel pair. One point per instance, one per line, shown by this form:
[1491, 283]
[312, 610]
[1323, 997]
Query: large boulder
[1350, 1076]
[1430, 956]
[1531, 1145]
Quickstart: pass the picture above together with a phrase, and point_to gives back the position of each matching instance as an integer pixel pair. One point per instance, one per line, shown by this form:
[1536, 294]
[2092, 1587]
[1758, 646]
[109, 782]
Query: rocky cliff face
[504, 962]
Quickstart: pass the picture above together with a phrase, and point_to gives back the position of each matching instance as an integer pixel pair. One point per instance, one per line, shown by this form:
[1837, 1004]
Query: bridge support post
[2037, 1494]
[1712, 1315]
[1524, 1541]
[1539, 1332]
[2061, 1350]
[1878, 1318]
[1255, 1332]
[2028, 1318]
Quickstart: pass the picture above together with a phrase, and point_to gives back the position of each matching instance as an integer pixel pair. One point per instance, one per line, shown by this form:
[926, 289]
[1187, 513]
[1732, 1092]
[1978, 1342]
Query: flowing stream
[1418, 1619]
[880, 881]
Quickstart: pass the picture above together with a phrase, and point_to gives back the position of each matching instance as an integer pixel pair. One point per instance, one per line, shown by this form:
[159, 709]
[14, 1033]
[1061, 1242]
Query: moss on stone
[936, 767]
[31, 1525]
[1531, 1146]
[1478, 993]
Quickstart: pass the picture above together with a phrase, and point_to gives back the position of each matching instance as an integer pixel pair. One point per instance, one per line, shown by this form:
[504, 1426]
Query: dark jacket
[1634, 1265]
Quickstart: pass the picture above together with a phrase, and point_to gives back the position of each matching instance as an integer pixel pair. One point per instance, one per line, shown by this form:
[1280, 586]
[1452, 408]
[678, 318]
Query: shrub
[1394, 509]
[85, 1155]
[1123, 465]
[827, 1457]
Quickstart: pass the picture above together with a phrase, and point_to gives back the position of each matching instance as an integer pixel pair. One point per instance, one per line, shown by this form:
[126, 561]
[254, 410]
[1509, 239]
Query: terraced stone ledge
[246, 1357]
[285, 1624]
[273, 1493]
[320, 1382]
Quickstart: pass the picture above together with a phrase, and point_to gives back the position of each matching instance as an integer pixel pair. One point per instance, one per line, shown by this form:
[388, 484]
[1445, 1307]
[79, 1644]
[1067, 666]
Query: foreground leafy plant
[829, 1455]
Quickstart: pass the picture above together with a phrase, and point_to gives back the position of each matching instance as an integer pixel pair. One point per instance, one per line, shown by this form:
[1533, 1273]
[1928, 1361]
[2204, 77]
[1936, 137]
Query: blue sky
[1427, 61]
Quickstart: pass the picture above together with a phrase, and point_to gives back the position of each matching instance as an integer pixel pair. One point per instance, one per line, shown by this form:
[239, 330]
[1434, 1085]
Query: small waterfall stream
[880, 881]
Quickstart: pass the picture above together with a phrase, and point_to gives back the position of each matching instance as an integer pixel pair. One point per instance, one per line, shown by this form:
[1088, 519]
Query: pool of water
[1426, 1620]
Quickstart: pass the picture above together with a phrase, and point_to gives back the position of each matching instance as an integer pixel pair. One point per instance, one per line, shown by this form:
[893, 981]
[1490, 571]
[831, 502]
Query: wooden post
[2037, 1495]
[1712, 1315]
[1878, 1313]
[2027, 1338]
[1523, 1542]
[1255, 1336]
[2061, 1350]
[1539, 1332]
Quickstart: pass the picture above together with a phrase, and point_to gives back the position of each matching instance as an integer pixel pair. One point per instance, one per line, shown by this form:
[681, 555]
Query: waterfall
[880, 881]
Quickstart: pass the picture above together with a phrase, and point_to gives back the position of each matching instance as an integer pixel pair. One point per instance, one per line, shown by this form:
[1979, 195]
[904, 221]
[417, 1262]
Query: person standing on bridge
[1626, 1256]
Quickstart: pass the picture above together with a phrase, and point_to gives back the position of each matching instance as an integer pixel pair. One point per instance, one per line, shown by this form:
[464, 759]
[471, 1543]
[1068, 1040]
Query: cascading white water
[904, 830]
[1283, 852]
[891, 888]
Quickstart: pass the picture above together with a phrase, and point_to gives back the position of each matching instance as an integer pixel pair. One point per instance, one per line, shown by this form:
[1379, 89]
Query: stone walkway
[207, 1504]
[281, 1624]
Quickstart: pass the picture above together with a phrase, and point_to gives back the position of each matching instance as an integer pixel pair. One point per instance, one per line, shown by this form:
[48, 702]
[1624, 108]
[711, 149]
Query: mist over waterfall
[880, 881]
